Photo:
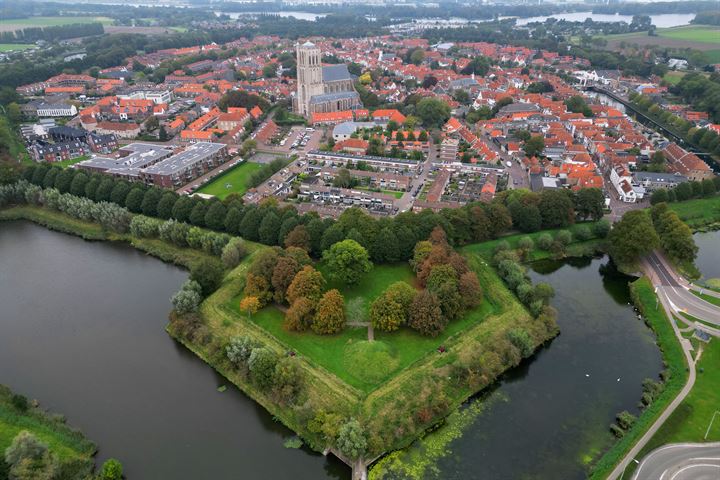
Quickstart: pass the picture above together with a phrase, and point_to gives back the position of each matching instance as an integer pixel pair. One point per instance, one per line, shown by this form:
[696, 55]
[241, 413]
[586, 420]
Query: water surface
[708, 259]
[82, 329]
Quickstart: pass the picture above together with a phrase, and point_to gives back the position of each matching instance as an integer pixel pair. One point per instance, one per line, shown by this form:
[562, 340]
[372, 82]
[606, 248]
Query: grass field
[11, 24]
[705, 38]
[72, 161]
[10, 47]
[699, 212]
[362, 364]
[705, 34]
[673, 78]
[690, 422]
[236, 178]
[65, 443]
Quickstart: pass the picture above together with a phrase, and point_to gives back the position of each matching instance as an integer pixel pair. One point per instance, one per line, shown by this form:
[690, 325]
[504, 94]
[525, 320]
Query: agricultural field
[704, 38]
[232, 181]
[12, 24]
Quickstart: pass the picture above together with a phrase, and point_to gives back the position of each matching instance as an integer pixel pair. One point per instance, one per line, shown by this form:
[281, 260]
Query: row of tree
[687, 191]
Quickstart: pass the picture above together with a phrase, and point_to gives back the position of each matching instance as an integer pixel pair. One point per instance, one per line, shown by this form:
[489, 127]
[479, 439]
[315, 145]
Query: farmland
[10, 25]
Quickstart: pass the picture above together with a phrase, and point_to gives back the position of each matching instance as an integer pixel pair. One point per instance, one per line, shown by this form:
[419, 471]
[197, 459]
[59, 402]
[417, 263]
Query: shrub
[261, 364]
[386, 314]
[111, 470]
[20, 402]
[583, 233]
[544, 241]
[239, 349]
[521, 339]
[351, 439]
[188, 298]
[564, 237]
[233, 252]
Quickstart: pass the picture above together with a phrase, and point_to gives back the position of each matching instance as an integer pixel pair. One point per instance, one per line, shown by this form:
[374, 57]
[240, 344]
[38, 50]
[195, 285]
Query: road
[406, 202]
[677, 292]
[685, 461]
[518, 175]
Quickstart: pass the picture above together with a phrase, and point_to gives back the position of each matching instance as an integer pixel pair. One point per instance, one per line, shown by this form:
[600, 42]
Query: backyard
[232, 181]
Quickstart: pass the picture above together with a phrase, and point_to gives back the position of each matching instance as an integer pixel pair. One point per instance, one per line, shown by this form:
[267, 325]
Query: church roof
[329, 97]
[334, 73]
[308, 44]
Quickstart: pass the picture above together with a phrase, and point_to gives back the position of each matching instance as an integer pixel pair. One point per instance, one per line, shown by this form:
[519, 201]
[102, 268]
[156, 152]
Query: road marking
[692, 466]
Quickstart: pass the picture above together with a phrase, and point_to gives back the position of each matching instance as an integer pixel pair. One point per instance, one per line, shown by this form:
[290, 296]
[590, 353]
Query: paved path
[637, 448]
[683, 461]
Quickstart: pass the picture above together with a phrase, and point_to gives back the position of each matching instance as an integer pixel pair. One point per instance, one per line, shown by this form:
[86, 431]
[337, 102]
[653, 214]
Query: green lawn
[673, 78]
[232, 181]
[20, 23]
[690, 421]
[707, 298]
[394, 193]
[67, 444]
[72, 161]
[487, 249]
[362, 364]
[699, 212]
[9, 47]
[705, 34]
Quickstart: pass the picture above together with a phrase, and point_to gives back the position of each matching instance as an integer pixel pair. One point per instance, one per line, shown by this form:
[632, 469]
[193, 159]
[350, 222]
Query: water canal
[83, 331]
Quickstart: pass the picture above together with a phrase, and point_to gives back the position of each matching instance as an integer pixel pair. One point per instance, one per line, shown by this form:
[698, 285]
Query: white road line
[692, 466]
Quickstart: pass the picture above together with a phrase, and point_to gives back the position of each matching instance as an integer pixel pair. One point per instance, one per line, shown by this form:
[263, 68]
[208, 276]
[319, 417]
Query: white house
[622, 181]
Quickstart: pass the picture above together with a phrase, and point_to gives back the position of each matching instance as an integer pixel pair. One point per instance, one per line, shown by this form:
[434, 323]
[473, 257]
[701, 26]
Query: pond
[708, 259]
[550, 417]
[83, 331]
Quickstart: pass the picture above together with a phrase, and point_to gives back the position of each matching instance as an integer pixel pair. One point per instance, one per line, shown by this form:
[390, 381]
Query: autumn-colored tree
[307, 283]
[425, 314]
[300, 314]
[330, 315]
[420, 253]
[257, 286]
[386, 314]
[470, 290]
[403, 294]
[264, 263]
[438, 236]
[299, 255]
[285, 270]
[250, 305]
[298, 237]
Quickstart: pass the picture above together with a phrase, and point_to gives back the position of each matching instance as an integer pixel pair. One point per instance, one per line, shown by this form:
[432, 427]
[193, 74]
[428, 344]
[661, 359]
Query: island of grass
[64, 449]
[360, 392]
[234, 180]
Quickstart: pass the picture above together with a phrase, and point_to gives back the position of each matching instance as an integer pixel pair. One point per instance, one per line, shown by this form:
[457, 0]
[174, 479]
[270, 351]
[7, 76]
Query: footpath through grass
[645, 300]
[690, 422]
[233, 181]
[362, 364]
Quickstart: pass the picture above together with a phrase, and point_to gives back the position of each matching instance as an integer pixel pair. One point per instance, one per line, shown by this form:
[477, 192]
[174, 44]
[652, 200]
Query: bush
[544, 241]
[239, 349]
[330, 315]
[111, 470]
[564, 237]
[521, 339]
[262, 363]
[351, 440]
[601, 228]
[583, 233]
[188, 298]
[233, 252]
[20, 402]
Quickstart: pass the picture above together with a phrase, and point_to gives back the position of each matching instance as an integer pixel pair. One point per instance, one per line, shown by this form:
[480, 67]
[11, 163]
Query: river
[549, 417]
[664, 20]
[708, 259]
[83, 330]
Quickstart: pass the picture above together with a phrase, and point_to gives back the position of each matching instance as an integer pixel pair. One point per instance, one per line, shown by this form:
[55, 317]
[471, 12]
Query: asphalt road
[678, 294]
[685, 461]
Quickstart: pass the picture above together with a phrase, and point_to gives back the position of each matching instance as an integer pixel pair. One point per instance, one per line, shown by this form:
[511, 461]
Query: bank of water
[708, 259]
[82, 329]
[549, 418]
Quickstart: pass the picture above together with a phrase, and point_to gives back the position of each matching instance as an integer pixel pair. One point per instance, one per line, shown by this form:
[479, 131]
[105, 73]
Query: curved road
[677, 291]
[683, 461]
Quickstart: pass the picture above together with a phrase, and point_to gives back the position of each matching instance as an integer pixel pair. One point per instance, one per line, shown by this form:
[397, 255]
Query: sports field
[232, 181]
[12, 24]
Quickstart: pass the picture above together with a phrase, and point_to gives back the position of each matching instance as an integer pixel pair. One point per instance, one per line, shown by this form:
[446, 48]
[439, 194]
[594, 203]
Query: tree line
[686, 191]
[49, 34]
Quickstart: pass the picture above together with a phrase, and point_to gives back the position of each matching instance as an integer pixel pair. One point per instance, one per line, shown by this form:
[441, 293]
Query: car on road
[509, 164]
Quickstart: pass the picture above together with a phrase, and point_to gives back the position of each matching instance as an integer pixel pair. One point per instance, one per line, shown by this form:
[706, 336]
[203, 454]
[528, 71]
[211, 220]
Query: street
[686, 461]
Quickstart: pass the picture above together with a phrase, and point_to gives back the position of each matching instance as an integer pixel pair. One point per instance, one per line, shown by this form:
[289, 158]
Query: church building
[322, 88]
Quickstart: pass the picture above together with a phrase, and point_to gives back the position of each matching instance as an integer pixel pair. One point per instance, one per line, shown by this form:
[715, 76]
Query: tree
[269, 229]
[425, 314]
[417, 56]
[233, 252]
[188, 298]
[25, 446]
[299, 316]
[283, 274]
[270, 70]
[250, 305]
[522, 340]
[577, 104]
[386, 314]
[556, 208]
[347, 261]
[262, 364]
[77, 186]
[534, 146]
[197, 214]
[589, 203]
[433, 112]
[111, 470]
[525, 218]
[469, 286]
[215, 216]
[351, 440]
[442, 282]
[208, 273]
[330, 314]
[149, 202]
[307, 283]
[299, 237]
[182, 208]
[632, 237]
[133, 201]
[659, 196]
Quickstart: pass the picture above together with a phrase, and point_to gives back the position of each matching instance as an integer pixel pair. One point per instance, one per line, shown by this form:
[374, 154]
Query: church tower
[309, 76]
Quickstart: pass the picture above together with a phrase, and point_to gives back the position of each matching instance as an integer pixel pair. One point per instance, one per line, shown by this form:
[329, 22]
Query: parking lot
[300, 139]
